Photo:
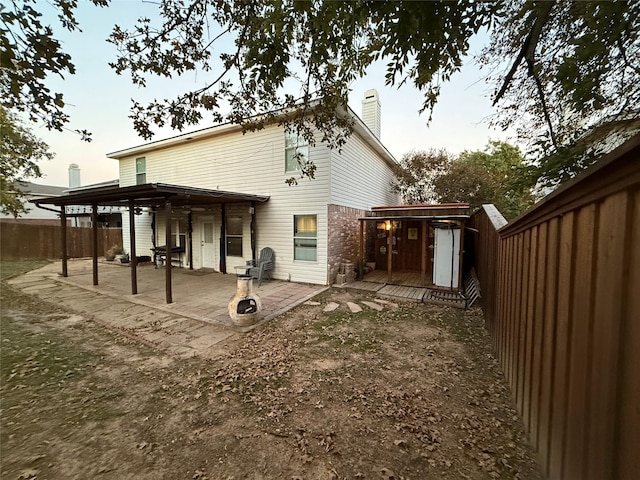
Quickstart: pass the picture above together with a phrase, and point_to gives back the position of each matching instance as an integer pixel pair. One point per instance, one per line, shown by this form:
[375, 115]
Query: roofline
[148, 193]
[369, 137]
[93, 186]
[176, 140]
[436, 206]
[359, 126]
[416, 217]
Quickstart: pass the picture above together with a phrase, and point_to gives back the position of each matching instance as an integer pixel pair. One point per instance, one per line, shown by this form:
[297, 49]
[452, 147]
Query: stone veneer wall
[344, 237]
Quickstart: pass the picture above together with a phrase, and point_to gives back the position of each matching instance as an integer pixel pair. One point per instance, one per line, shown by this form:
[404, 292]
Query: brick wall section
[344, 237]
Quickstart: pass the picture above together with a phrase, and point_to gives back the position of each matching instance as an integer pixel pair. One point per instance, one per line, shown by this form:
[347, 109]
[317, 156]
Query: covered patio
[161, 199]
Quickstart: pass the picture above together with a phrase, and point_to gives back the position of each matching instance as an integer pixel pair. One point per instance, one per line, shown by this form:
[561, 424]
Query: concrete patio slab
[196, 323]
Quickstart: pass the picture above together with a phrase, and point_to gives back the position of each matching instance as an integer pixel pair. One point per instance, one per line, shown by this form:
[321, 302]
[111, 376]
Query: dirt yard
[409, 392]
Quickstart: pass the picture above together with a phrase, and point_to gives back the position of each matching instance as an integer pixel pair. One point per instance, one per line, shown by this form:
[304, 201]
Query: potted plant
[124, 258]
[118, 251]
[109, 255]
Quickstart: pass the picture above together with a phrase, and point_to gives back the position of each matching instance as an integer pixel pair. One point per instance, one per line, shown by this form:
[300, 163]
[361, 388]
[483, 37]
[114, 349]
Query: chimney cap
[373, 93]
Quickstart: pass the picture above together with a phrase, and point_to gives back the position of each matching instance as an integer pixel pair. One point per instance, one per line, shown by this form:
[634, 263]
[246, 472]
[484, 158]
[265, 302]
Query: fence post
[63, 222]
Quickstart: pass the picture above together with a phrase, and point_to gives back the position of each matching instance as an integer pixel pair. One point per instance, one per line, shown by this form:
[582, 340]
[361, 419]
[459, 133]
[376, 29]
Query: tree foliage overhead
[558, 67]
[313, 48]
[496, 175]
[572, 66]
[19, 152]
[28, 54]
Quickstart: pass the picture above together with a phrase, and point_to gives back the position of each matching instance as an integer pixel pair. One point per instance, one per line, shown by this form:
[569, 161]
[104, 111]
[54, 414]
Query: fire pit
[245, 306]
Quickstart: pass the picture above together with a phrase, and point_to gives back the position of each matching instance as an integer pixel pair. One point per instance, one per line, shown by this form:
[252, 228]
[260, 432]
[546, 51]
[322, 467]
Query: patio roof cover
[150, 195]
[161, 195]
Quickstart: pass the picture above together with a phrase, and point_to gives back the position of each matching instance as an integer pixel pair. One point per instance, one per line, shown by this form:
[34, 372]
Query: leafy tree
[28, 54]
[19, 152]
[574, 68]
[416, 173]
[573, 64]
[497, 175]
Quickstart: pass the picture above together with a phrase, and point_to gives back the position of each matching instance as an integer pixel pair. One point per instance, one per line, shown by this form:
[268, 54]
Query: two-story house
[312, 227]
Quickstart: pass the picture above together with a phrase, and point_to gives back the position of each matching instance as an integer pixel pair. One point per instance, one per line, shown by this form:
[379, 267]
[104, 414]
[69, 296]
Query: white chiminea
[371, 111]
[245, 306]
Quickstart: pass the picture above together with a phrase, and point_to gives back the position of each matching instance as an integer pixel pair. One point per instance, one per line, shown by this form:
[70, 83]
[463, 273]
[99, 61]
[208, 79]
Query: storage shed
[420, 240]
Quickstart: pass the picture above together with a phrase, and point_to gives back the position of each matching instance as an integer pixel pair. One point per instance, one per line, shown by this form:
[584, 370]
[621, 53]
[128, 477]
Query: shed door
[446, 259]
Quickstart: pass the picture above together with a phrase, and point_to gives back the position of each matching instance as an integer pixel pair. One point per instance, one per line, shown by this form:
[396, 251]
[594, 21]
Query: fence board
[607, 318]
[514, 319]
[563, 310]
[627, 425]
[528, 350]
[580, 339]
[522, 319]
[549, 343]
[22, 240]
[538, 333]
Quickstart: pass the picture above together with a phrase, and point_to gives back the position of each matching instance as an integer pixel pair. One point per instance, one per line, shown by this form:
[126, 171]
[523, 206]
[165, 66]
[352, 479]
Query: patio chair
[263, 266]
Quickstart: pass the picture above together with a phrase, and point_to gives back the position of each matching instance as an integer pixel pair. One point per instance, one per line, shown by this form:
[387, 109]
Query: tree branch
[528, 47]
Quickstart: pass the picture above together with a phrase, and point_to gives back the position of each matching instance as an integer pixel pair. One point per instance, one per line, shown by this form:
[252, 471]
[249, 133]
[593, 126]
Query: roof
[151, 194]
[224, 128]
[437, 206]
[36, 189]
[105, 184]
[415, 217]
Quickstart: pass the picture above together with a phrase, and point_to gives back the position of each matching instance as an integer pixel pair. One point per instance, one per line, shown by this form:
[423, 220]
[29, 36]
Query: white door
[446, 258]
[208, 244]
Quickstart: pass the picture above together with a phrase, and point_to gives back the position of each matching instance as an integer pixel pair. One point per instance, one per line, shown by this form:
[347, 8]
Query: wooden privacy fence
[561, 296]
[21, 240]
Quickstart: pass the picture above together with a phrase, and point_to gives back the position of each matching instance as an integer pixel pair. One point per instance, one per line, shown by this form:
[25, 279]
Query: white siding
[143, 232]
[360, 178]
[252, 163]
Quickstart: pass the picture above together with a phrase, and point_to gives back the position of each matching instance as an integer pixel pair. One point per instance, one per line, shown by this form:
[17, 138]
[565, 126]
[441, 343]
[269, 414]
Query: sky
[98, 100]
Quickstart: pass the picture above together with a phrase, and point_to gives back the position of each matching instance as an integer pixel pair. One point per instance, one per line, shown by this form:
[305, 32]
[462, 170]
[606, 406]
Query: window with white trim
[141, 171]
[305, 237]
[234, 236]
[296, 151]
[179, 227]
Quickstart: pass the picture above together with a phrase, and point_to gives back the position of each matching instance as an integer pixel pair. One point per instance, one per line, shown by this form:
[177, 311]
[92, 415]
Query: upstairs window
[296, 151]
[305, 237]
[141, 171]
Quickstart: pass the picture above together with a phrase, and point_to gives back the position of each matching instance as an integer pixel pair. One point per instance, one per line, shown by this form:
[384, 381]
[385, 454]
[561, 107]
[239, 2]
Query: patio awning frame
[160, 196]
[151, 195]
